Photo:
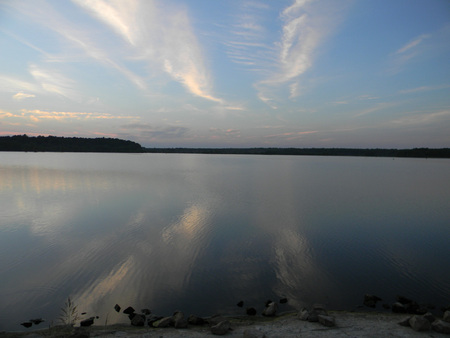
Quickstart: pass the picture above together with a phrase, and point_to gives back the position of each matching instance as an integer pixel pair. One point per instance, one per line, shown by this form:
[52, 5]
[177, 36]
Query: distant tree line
[68, 144]
[114, 145]
[415, 152]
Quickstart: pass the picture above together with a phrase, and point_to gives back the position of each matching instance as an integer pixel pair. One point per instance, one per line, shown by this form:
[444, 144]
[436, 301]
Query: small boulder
[129, 310]
[153, 319]
[26, 324]
[87, 322]
[270, 310]
[37, 321]
[179, 322]
[195, 320]
[431, 318]
[303, 314]
[240, 303]
[216, 319]
[441, 326]
[163, 322]
[419, 323]
[371, 300]
[146, 312]
[398, 307]
[405, 322]
[446, 316]
[326, 320]
[221, 328]
[138, 320]
[320, 309]
[404, 300]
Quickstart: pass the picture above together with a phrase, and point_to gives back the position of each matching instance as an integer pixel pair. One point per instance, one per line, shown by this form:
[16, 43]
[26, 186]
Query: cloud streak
[306, 24]
[165, 40]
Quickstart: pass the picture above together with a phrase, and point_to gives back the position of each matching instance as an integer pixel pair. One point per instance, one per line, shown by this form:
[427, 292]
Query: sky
[228, 73]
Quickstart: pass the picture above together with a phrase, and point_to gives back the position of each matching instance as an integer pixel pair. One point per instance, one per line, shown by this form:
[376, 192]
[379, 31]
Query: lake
[198, 233]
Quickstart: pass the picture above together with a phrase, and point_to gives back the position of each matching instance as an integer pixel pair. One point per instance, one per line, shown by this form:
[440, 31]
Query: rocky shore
[407, 319]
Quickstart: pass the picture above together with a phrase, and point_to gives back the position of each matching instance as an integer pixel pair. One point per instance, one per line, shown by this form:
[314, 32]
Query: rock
[179, 322]
[221, 328]
[320, 309]
[240, 304]
[117, 307]
[430, 317]
[253, 333]
[26, 324]
[163, 322]
[138, 320]
[270, 310]
[405, 322]
[146, 312]
[371, 300]
[303, 314]
[251, 311]
[153, 319]
[441, 326]
[283, 300]
[313, 316]
[398, 307]
[326, 320]
[129, 310]
[386, 306]
[195, 320]
[419, 323]
[87, 322]
[37, 321]
[404, 300]
[446, 316]
[266, 304]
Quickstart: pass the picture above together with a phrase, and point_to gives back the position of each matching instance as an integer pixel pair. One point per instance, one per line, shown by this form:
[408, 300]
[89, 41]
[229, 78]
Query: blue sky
[211, 73]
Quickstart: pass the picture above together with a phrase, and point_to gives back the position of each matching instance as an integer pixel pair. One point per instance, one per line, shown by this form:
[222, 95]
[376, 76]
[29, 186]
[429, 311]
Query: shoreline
[347, 324]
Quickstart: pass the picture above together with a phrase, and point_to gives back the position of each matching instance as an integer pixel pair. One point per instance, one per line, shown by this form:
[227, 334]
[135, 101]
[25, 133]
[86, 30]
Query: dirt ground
[348, 324]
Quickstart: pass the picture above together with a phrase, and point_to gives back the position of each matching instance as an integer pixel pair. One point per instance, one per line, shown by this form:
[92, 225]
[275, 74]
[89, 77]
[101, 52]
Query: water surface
[198, 233]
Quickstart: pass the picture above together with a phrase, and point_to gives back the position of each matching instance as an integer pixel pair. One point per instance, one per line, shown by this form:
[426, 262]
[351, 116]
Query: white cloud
[53, 81]
[412, 44]
[21, 96]
[443, 115]
[162, 38]
[306, 25]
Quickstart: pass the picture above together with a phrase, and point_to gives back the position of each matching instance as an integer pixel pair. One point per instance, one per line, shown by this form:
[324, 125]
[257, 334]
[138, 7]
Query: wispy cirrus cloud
[306, 25]
[164, 38]
[20, 96]
[407, 52]
[423, 89]
[155, 132]
[53, 81]
[36, 115]
[424, 118]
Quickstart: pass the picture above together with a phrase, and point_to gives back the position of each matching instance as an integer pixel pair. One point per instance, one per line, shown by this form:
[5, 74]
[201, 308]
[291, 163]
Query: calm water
[198, 233]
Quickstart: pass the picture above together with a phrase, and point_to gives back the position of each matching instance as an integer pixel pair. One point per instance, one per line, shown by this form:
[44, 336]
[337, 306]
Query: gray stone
[326, 320]
[87, 322]
[303, 314]
[195, 320]
[371, 300]
[405, 322]
[313, 316]
[164, 322]
[441, 326]
[446, 316]
[320, 309]
[138, 320]
[221, 328]
[270, 310]
[431, 318]
[419, 323]
[253, 333]
[398, 307]
[179, 321]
